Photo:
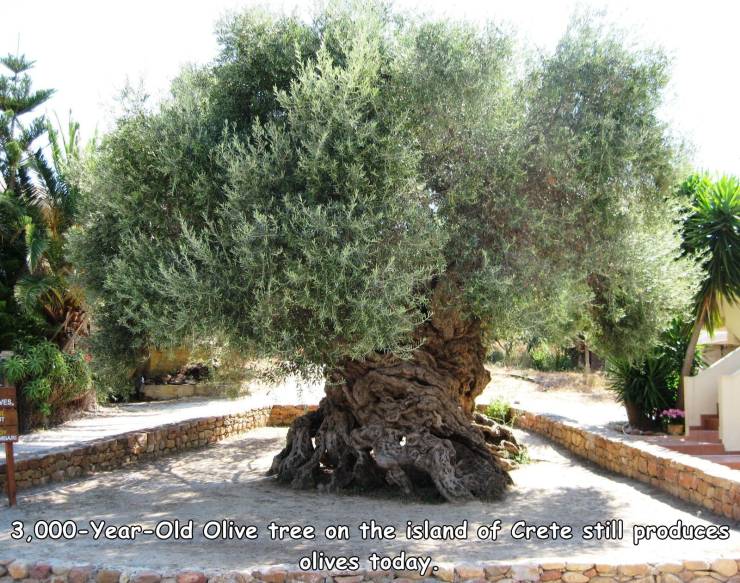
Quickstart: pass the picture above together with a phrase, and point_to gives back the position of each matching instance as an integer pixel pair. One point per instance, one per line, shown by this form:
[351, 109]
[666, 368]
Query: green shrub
[644, 383]
[499, 410]
[548, 358]
[651, 382]
[46, 376]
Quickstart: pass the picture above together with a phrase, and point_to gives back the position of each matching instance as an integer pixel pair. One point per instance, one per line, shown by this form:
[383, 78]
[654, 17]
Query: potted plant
[641, 386]
[673, 421]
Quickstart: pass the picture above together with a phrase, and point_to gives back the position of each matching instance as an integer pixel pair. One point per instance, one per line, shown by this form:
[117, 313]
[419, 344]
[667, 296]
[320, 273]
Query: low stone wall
[132, 447]
[690, 478]
[284, 415]
[723, 570]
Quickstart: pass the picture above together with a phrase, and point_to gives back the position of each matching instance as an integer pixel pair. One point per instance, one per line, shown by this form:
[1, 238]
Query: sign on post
[9, 435]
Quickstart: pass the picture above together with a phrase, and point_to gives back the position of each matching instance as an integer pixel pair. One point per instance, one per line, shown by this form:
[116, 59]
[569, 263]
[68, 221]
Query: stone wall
[721, 570]
[128, 448]
[690, 478]
[284, 415]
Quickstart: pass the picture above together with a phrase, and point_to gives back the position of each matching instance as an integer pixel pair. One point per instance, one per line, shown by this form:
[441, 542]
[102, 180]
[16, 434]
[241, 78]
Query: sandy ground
[226, 481]
[115, 419]
[568, 396]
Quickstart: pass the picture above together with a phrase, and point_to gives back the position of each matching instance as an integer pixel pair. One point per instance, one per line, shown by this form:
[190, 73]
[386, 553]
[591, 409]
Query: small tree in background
[38, 303]
[19, 132]
[373, 199]
[711, 235]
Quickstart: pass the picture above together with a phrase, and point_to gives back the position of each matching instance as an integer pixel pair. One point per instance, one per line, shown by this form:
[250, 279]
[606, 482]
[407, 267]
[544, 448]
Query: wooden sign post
[9, 435]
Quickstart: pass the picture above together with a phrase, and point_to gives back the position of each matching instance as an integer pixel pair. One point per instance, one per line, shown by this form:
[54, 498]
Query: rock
[552, 575]
[59, 568]
[352, 578]
[552, 566]
[704, 580]
[669, 567]
[147, 577]
[40, 571]
[670, 578]
[79, 574]
[580, 567]
[18, 570]
[191, 577]
[496, 570]
[270, 576]
[696, 565]
[726, 567]
[305, 577]
[634, 570]
[525, 573]
[466, 572]
[400, 574]
[606, 569]
[444, 574]
[573, 577]
[108, 576]
[602, 579]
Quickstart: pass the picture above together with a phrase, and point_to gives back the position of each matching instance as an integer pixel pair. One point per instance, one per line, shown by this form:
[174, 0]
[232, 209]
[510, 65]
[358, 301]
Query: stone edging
[721, 570]
[128, 448]
[689, 478]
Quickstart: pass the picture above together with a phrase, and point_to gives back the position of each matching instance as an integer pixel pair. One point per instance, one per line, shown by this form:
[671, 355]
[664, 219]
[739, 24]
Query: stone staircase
[703, 441]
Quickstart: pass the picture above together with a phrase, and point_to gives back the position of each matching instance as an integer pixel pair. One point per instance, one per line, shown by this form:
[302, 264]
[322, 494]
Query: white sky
[88, 49]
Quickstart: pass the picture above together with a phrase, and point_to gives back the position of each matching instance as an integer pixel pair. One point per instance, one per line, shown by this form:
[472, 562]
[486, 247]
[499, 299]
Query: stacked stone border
[720, 570]
[713, 486]
[130, 448]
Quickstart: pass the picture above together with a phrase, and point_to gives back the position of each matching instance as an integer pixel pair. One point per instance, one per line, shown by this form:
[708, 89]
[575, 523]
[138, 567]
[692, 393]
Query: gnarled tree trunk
[404, 423]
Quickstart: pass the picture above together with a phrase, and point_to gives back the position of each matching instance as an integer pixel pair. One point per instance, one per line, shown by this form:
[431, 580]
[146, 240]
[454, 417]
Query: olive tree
[372, 198]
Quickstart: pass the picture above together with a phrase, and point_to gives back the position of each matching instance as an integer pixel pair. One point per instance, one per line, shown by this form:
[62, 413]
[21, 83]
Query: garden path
[227, 481]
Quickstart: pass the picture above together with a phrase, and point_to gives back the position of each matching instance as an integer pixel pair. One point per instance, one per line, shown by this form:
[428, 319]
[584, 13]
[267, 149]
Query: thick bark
[408, 424]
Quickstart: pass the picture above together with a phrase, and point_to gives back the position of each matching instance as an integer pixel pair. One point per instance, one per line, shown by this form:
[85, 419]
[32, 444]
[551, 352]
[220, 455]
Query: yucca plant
[711, 234]
[642, 385]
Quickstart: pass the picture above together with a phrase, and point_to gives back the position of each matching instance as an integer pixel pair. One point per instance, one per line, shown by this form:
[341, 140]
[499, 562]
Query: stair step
[697, 448]
[710, 422]
[729, 460]
[710, 435]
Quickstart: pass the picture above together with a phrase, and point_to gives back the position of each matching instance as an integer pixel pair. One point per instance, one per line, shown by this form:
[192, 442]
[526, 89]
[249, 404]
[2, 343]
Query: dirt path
[226, 481]
[564, 395]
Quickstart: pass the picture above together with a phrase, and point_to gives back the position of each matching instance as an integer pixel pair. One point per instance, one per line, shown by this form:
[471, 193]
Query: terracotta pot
[675, 428]
[635, 417]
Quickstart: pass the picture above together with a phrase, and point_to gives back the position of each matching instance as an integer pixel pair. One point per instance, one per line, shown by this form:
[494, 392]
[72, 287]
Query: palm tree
[46, 288]
[711, 233]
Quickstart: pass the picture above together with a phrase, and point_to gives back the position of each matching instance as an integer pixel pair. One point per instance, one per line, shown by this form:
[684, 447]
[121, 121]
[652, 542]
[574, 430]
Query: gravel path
[226, 481]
